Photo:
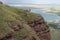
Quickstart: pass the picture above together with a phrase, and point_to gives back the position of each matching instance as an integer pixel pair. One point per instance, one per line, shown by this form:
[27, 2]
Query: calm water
[47, 16]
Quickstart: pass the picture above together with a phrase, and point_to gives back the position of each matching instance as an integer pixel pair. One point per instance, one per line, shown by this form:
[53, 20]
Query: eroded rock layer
[41, 28]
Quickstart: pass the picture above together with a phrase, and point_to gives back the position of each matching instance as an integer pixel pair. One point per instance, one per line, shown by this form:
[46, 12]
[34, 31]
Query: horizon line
[29, 4]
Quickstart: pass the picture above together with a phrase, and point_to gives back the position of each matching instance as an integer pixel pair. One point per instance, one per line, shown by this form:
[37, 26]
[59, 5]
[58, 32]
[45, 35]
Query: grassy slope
[13, 14]
[55, 32]
[23, 15]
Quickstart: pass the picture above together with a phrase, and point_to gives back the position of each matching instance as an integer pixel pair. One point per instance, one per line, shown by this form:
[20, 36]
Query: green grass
[14, 14]
[55, 34]
[55, 31]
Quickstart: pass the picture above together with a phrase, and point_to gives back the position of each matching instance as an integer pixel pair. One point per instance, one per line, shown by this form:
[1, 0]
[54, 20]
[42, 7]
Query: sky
[31, 1]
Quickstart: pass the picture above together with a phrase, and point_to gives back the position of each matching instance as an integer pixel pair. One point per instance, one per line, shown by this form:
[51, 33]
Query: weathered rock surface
[41, 28]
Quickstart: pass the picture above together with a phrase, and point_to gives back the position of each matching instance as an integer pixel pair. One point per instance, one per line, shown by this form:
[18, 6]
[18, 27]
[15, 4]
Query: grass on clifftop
[13, 14]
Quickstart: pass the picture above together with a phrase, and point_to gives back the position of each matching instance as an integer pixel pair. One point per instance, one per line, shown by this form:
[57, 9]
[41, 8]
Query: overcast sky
[31, 1]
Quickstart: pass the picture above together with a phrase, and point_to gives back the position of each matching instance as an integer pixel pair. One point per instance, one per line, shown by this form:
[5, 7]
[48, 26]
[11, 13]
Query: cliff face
[18, 24]
[41, 28]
